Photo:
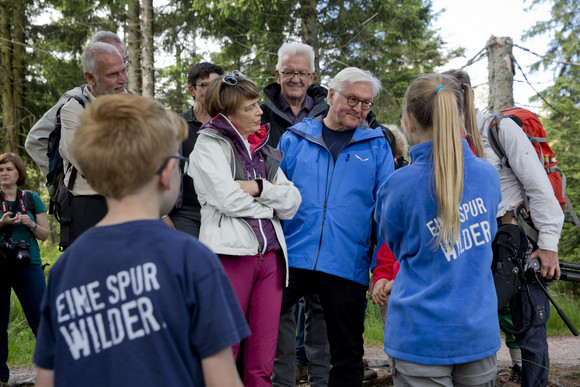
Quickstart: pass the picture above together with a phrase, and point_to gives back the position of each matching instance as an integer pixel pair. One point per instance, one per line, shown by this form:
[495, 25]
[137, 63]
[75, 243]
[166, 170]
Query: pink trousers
[258, 286]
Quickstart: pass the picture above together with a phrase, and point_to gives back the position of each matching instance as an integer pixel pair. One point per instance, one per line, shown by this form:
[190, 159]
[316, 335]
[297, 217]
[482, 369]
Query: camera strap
[19, 202]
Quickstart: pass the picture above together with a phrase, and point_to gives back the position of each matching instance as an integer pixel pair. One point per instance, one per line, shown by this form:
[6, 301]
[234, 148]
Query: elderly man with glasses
[337, 162]
[292, 97]
[186, 215]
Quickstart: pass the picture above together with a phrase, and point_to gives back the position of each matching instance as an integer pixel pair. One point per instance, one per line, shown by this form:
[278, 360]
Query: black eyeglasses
[203, 85]
[183, 164]
[291, 74]
[353, 101]
[232, 79]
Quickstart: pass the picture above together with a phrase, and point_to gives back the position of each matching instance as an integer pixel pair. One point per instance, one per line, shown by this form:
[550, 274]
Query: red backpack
[531, 125]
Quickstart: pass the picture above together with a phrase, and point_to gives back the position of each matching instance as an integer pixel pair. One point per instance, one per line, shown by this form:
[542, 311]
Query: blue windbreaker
[443, 305]
[331, 232]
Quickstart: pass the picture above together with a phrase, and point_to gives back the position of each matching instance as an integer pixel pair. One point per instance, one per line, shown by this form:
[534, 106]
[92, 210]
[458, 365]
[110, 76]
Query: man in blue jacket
[338, 163]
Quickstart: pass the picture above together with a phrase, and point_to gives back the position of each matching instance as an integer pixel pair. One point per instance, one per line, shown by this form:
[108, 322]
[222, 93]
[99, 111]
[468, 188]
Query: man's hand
[549, 263]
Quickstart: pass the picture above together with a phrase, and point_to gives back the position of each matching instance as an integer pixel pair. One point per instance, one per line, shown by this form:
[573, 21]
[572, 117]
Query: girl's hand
[381, 290]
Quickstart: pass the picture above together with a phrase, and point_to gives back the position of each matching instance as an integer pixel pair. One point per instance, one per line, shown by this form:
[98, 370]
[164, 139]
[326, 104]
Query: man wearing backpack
[526, 176]
[104, 70]
[37, 140]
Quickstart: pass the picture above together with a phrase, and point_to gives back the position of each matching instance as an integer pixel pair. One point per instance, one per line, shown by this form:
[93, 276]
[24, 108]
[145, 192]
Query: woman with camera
[243, 195]
[23, 221]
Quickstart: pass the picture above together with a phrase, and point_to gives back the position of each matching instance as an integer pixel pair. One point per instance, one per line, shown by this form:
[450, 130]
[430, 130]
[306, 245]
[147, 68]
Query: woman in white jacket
[243, 195]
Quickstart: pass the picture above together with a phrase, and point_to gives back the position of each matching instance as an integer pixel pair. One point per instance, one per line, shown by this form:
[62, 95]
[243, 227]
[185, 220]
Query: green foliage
[20, 338]
[569, 305]
[391, 38]
[374, 332]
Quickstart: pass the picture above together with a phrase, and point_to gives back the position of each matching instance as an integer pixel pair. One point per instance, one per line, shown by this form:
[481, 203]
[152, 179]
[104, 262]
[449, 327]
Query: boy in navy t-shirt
[133, 302]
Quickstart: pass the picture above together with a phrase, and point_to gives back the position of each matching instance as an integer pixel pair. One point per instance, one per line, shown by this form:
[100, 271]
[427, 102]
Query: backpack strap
[499, 150]
[29, 200]
[83, 101]
[494, 141]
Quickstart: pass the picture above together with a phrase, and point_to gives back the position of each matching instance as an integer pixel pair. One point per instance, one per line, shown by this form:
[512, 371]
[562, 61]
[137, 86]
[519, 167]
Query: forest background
[394, 39]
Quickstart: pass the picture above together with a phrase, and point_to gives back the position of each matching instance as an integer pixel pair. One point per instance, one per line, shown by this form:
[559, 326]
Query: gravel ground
[564, 363]
[564, 352]
[564, 359]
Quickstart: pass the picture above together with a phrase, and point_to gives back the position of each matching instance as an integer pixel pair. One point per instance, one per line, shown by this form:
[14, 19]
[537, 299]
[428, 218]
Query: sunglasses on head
[232, 79]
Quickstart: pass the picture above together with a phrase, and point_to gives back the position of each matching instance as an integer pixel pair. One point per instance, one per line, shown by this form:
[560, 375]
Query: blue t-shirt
[136, 304]
[21, 232]
[443, 305]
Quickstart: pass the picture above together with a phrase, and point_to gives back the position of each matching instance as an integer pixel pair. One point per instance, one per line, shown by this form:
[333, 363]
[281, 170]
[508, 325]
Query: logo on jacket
[361, 159]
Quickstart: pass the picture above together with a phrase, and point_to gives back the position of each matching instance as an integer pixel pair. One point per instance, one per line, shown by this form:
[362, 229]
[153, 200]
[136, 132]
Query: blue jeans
[534, 342]
[29, 285]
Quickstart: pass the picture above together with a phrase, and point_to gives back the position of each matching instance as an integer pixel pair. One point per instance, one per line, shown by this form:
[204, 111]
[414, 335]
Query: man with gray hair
[292, 97]
[37, 140]
[338, 163]
[104, 69]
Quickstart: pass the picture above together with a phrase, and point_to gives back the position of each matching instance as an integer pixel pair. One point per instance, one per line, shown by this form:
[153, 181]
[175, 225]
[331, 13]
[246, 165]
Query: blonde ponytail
[435, 101]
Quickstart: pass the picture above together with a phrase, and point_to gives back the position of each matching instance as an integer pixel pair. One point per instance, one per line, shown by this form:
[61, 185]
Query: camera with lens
[16, 251]
[531, 265]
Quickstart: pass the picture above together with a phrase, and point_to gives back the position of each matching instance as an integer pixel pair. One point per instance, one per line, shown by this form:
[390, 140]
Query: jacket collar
[316, 92]
[421, 153]
[224, 126]
[312, 128]
[188, 116]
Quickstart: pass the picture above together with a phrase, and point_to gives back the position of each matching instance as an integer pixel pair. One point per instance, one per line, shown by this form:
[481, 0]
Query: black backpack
[56, 173]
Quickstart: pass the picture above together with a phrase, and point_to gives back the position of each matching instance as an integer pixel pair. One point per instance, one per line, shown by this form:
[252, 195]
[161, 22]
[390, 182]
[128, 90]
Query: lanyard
[19, 201]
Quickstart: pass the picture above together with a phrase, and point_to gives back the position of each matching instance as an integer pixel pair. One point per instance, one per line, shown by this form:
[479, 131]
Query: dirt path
[564, 363]
[564, 359]
[564, 352]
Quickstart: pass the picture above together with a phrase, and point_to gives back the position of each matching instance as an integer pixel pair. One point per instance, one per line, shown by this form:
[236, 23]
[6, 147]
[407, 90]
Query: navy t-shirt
[336, 139]
[136, 304]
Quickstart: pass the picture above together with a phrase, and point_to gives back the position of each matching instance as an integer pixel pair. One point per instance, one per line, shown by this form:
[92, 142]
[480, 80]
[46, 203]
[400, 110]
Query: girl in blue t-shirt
[438, 218]
[23, 221]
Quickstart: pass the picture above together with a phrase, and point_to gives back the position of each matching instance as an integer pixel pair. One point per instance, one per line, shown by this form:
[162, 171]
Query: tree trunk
[148, 63]
[309, 30]
[134, 48]
[501, 73]
[6, 80]
[18, 71]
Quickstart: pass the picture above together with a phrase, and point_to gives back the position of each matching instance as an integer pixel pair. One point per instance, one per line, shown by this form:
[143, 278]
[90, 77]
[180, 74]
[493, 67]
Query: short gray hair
[295, 49]
[91, 53]
[351, 75]
[108, 37]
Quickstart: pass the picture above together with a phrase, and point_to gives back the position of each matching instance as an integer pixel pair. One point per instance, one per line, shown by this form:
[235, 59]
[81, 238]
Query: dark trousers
[343, 302]
[29, 285]
[86, 211]
[534, 342]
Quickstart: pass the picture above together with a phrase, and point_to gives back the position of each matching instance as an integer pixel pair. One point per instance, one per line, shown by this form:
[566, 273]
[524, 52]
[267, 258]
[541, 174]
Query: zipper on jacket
[326, 194]
[318, 176]
[265, 246]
